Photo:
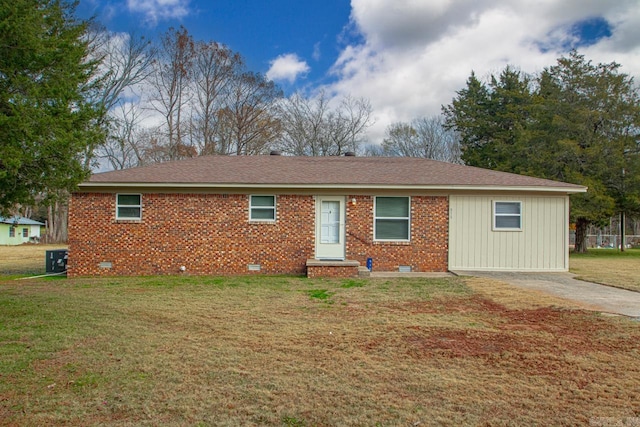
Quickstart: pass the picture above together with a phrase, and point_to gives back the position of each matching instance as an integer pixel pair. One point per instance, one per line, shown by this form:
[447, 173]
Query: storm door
[330, 227]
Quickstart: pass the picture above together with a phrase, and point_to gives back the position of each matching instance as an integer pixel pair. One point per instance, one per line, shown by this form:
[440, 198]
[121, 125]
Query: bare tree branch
[424, 137]
[312, 128]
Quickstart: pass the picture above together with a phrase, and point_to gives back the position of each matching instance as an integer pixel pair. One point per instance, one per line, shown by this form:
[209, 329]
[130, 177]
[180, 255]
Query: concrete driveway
[605, 298]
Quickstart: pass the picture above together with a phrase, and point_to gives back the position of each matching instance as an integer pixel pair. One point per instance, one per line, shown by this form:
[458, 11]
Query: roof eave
[88, 186]
[22, 223]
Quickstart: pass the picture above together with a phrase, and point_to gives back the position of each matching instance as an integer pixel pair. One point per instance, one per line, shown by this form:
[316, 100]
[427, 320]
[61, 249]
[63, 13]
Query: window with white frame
[262, 208]
[507, 215]
[12, 231]
[25, 232]
[129, 206]
[391, 219]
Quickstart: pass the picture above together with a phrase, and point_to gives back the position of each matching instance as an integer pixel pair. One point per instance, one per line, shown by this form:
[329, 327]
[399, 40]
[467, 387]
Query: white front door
[330, 227]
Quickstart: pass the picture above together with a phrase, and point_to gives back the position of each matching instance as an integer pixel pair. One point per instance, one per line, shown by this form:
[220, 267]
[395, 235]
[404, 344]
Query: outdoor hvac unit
[56, 261]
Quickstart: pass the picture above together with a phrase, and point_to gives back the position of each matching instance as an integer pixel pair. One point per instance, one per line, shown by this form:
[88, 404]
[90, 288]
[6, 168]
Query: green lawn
[596, 253]
[290, 351]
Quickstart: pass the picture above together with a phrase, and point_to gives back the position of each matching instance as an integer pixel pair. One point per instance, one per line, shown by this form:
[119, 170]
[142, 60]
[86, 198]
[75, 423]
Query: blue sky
[311, 32]
[408, 57]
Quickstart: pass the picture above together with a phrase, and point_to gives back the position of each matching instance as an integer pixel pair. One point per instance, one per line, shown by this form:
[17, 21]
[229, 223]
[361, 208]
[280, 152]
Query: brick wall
[428, 248]
[206, 233]
[332, 271]
[211, 234]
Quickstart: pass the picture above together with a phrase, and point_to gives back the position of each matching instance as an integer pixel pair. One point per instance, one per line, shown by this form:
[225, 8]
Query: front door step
[332, 268]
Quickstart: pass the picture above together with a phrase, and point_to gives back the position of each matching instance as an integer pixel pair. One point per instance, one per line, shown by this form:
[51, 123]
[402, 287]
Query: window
[25, 232]
[507, 215]
[262, 208]
[12, 231]
[129, 206]
[391, 222]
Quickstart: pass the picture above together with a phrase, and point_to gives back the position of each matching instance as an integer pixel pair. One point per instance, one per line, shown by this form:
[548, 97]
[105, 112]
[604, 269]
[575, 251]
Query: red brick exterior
[210, 234]
[331, 271]
[427, 250]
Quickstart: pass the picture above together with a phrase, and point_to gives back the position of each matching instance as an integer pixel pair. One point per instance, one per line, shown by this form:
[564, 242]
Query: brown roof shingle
[320, 171]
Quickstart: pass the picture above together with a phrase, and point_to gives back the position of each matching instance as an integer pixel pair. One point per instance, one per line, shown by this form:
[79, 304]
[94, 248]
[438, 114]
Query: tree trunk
[50, 224]
[622, 233]
[581, 236]
[57, 227]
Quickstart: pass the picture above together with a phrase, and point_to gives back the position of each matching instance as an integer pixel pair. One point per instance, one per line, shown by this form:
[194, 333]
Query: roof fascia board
[89, 186]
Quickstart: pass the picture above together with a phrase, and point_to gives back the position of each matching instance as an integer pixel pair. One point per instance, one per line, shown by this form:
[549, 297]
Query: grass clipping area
[302, 352]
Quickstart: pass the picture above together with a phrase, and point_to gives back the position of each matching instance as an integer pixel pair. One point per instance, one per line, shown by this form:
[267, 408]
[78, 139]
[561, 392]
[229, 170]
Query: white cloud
[410, 22]
[158, 10]
[317, 54]
[416, 54]
[287, 67]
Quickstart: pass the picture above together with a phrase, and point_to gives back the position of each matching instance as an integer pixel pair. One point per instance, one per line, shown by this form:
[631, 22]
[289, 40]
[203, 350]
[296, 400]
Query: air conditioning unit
[56, 260]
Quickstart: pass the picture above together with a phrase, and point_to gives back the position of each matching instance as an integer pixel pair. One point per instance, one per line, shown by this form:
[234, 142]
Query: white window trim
[495, 215]
[118, 217]
[251, 207]
[375, 218]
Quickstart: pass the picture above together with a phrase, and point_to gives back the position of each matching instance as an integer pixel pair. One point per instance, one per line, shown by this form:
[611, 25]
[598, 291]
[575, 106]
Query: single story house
[18, 230]
[320, 216]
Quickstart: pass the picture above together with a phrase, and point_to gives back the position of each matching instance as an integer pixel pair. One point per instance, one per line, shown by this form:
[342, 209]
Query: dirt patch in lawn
[510, 327]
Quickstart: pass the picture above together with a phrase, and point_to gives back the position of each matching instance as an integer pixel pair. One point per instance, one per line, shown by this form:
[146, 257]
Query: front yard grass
[609, 267]
[308, 352]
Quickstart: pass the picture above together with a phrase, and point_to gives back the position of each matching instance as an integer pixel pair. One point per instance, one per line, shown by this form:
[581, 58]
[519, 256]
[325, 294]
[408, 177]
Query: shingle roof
[347, 172]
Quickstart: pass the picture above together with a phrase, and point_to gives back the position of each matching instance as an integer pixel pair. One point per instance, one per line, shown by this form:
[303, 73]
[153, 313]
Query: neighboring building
[223, 215]
[18, 230]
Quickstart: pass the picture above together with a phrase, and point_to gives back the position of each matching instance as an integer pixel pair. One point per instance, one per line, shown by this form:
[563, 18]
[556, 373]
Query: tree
[122, 61]
[579, 124]
[216, 67]
[125, 61]
[209, 102]
[248, 120]
[303, 123]
[124, 145]
[490, 119]
[46, 120]
[311, 127]
[588, 132]
[425, 137]
[171, 81]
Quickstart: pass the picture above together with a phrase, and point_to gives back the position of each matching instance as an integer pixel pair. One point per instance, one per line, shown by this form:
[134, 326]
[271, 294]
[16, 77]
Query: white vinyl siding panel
[541, 244]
